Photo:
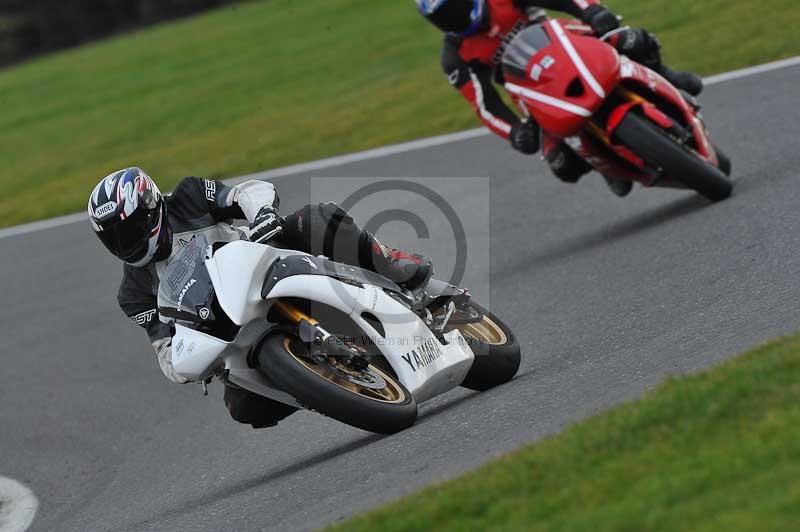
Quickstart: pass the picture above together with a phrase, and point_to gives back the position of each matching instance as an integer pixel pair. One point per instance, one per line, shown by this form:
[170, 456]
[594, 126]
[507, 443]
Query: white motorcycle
[317, 334]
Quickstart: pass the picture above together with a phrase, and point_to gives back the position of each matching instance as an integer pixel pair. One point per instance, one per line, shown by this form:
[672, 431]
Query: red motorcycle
[624, 119]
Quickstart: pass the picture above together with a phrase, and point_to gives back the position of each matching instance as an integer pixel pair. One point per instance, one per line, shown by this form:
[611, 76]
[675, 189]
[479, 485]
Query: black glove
[524, 137]
[601, 19]
[266, 225]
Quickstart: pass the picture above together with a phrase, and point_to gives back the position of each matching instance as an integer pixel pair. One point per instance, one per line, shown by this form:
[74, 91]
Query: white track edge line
[19, 506]
[752, 71]
[385, 151]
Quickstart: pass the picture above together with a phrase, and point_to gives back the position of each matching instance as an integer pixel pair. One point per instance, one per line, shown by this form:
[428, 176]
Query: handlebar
[614, 32]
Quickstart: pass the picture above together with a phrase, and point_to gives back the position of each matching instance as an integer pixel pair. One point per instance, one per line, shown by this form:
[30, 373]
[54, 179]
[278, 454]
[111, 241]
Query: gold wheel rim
[391, 392]
[485, 331]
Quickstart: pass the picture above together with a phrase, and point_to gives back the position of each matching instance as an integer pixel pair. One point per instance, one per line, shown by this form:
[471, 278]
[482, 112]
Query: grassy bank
[269, 83]
[715, 451]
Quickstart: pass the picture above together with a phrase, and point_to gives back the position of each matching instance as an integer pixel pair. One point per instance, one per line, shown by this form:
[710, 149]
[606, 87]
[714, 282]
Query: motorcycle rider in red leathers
[476, 34]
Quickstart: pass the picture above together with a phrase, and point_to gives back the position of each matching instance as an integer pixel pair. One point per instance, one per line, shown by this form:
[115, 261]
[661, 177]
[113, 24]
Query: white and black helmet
[128, 214]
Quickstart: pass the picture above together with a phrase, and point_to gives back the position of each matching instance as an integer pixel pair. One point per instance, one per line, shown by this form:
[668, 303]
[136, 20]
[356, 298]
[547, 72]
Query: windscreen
[524, 46]
[185, 290]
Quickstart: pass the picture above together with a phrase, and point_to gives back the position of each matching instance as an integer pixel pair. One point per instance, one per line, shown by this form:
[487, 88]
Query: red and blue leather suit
[470, 65]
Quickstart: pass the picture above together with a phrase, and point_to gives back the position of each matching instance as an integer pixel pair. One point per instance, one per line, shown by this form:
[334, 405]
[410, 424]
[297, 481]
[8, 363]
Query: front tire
[651, 143]
[497, 352]
[724, 161]
[371, 400]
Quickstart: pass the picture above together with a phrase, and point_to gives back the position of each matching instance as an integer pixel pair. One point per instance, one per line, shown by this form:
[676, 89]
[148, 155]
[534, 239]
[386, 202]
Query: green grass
[718, 451]
[274, 82]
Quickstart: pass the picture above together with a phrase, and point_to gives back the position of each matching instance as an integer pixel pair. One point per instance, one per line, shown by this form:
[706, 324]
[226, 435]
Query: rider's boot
[620, 187]
[406, 269]
[565, 164]
[569, 167]
[645, 48]
[691, 83]
[327, 229]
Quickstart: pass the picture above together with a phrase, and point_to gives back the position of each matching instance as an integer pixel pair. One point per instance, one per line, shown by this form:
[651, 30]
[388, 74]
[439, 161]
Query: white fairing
[194, 353]
[237, 272]
[424, 365]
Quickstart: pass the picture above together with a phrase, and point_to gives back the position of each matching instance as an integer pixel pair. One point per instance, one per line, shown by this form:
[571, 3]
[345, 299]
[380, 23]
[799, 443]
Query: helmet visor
[129, 239]
[455, 16]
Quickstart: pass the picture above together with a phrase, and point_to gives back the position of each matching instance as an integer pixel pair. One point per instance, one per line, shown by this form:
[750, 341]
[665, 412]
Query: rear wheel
[497, 353]
[653, 145]
[369, 398]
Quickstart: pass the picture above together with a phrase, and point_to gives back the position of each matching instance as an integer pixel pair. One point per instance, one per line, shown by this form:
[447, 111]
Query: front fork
[604, 132]
[652, 112]
[309, 330]
[624, 101]
[319, 341]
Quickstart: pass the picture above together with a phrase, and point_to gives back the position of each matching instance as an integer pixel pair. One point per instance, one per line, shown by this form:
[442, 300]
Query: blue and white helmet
[464, 17]
[128, 214]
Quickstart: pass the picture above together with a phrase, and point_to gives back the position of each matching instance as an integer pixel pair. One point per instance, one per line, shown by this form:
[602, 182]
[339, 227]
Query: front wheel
[369, 398]
[652, 144]
[497, 352]
[724, 161]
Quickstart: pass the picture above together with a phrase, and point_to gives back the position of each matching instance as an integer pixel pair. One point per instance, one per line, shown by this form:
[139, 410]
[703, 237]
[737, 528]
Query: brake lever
[269, 236]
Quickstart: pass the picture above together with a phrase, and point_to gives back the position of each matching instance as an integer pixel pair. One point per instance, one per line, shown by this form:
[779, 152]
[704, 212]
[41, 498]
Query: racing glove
[601, 19]
[266, 225]
[163, 349]
[524, 137]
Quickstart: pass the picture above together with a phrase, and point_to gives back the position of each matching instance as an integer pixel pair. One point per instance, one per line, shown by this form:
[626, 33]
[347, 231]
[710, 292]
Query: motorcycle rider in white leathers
[147, 231]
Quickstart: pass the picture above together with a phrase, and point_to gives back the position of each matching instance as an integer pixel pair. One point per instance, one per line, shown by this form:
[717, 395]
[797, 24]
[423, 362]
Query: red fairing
[568, 81]
[654, 113]
[579, 89]
[486, 47]
[597, 155]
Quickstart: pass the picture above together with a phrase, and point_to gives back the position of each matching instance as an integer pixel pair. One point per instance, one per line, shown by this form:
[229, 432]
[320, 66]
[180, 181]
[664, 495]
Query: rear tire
[651, 143]
[284, 358]
[497, 352]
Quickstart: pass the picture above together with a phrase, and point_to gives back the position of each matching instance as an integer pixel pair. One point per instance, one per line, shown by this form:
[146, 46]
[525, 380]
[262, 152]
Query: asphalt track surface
[608, 297]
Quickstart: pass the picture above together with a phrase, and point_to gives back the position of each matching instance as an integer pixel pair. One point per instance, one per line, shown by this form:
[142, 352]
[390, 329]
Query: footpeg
[440, 322]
